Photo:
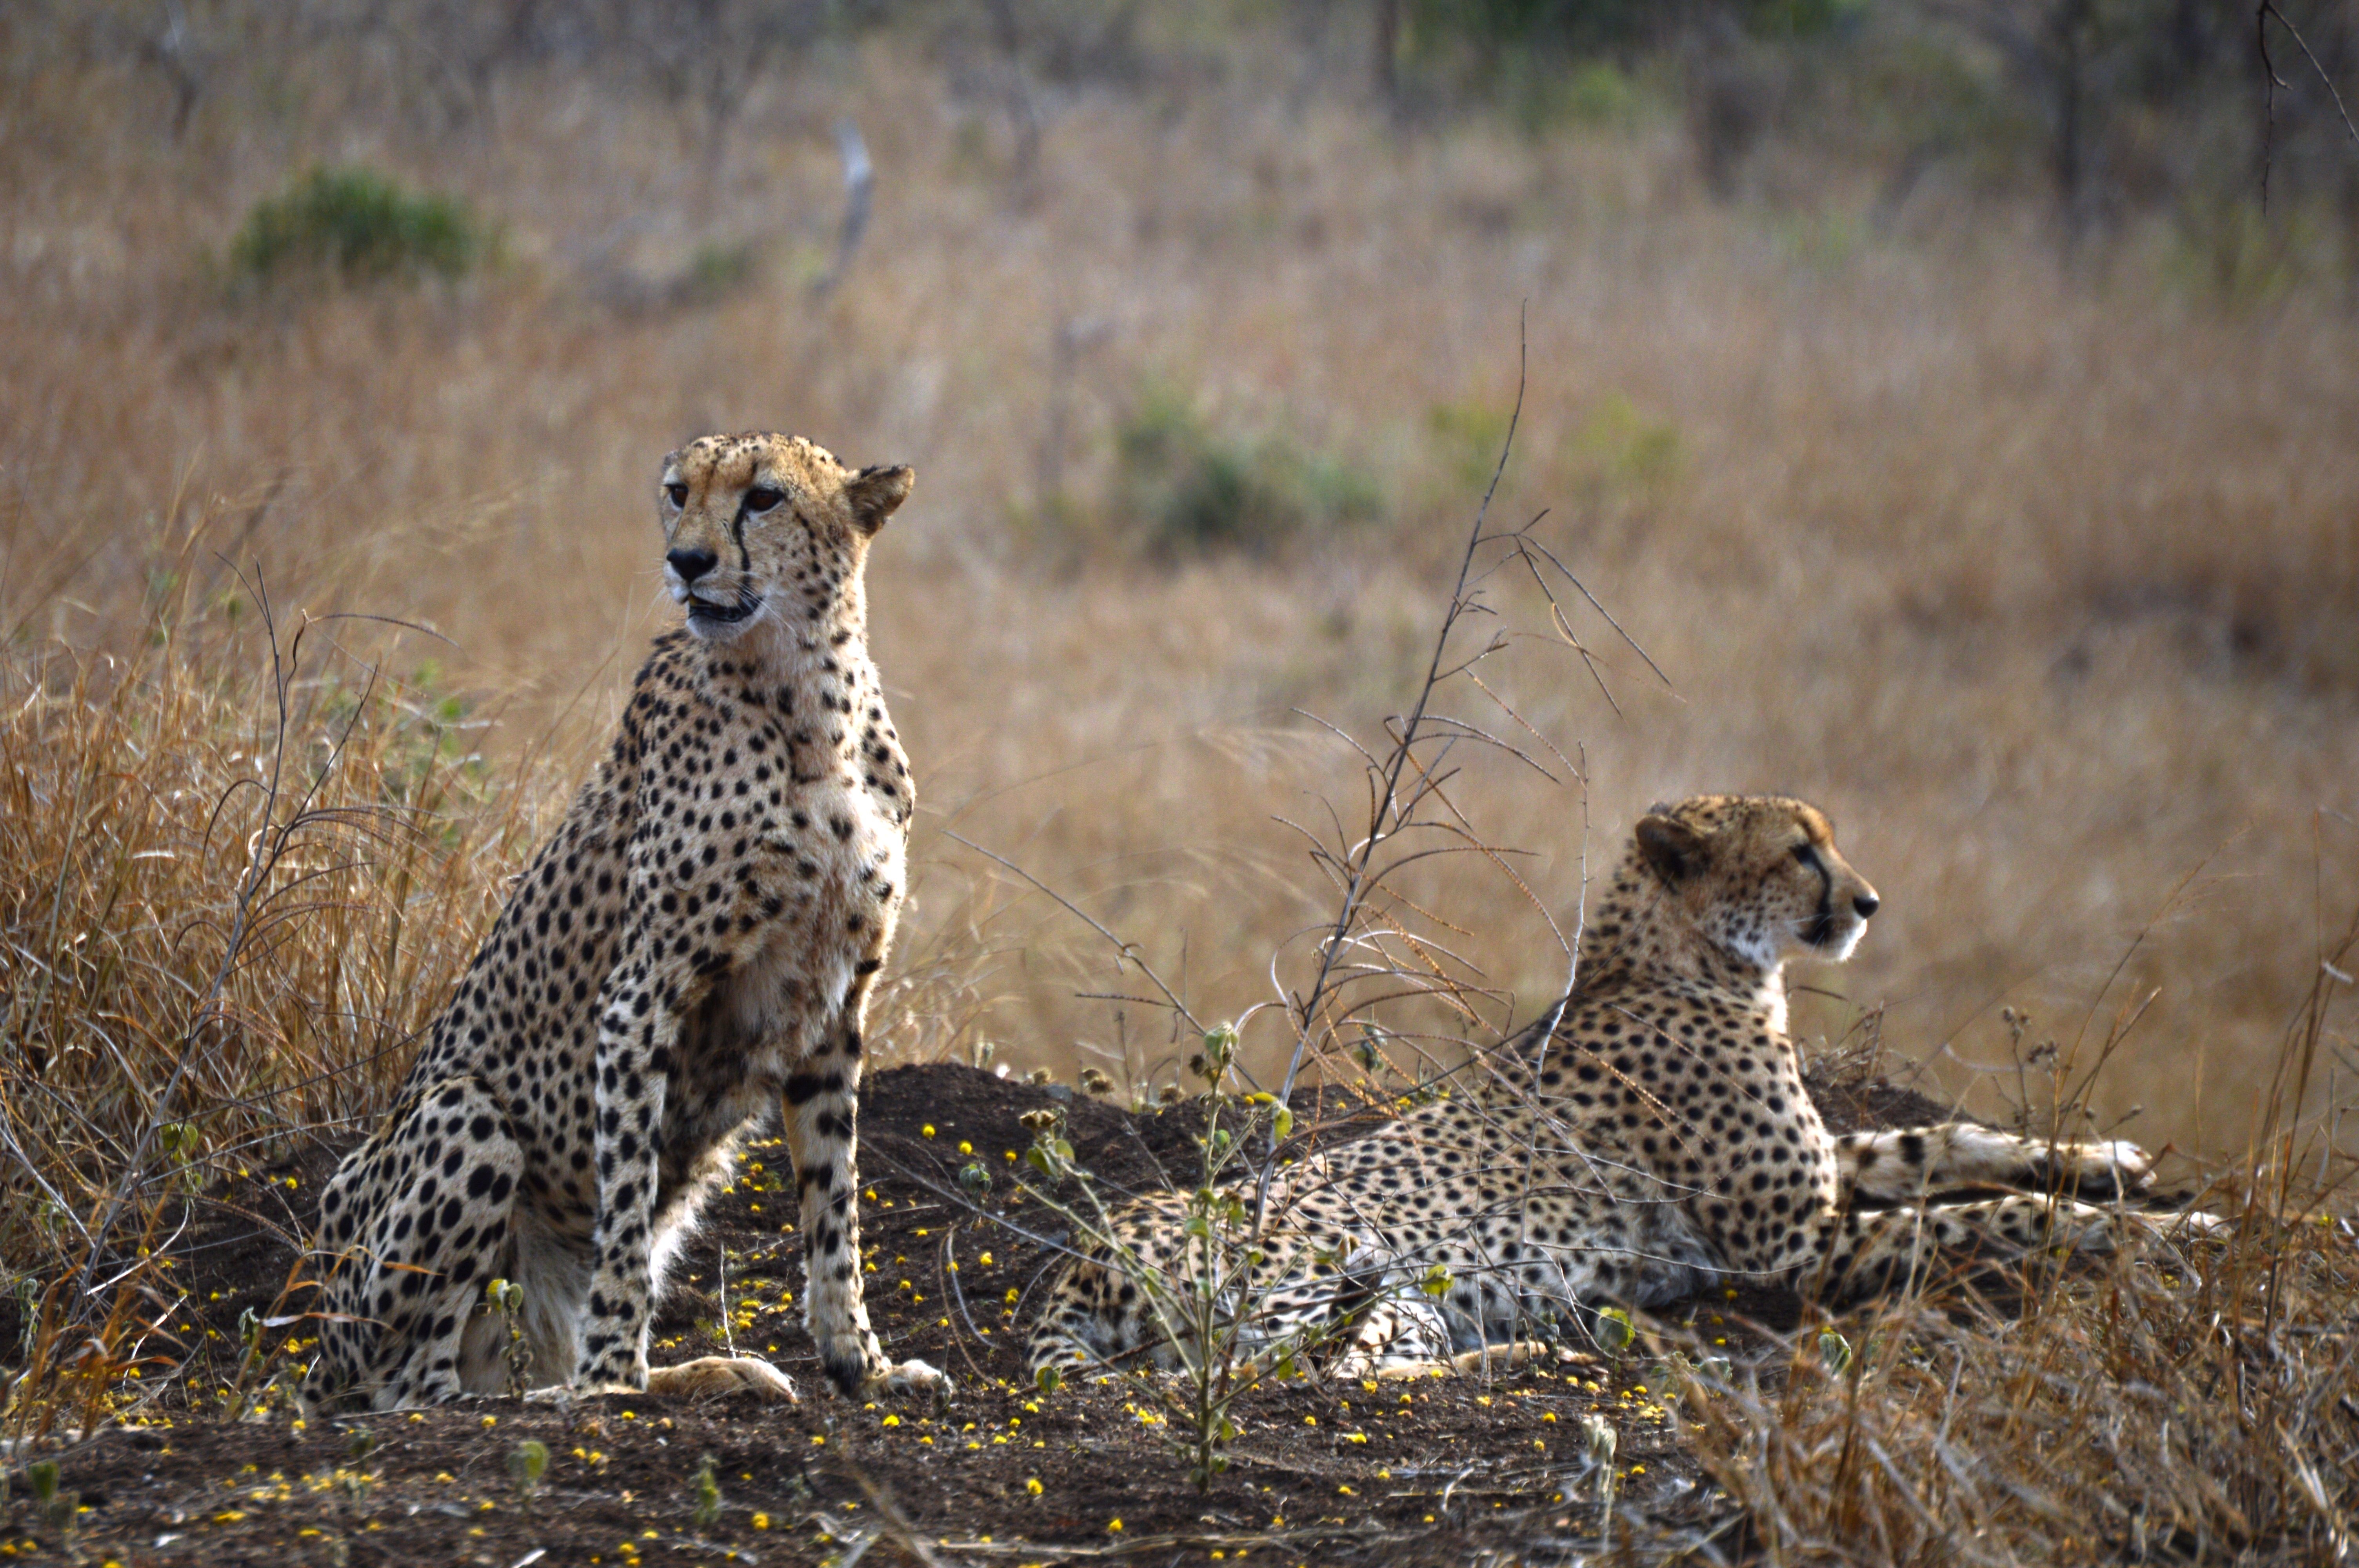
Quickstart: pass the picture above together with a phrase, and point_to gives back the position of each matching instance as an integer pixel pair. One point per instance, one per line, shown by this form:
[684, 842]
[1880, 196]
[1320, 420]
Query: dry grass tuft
[2201, 1407]
[240, 868]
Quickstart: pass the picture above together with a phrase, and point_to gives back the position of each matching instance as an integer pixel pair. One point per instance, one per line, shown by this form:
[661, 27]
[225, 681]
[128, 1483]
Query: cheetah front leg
[639, 1032]
[1404, 1334]
[822, 1124]
[1864, 1252]
[1904, 1164]
[637, 1027]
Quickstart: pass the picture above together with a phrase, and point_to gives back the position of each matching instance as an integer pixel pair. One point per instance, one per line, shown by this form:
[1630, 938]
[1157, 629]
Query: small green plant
[60, 1507]
[717, 271]
[1614, 1333]
[1207, 1306]
[358, 1446]
[1466, 437]
[506, 1298]
[1600, 92]
[28, 1317]
[257, 1367]
[1834, 1352]
[360, 226]
[1621, 448]
[707, 1489]
[528, 1462]
[183, 1145]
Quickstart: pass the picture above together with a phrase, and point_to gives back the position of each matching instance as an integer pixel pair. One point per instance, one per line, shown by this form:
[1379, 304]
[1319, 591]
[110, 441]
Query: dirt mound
[1426, 1470]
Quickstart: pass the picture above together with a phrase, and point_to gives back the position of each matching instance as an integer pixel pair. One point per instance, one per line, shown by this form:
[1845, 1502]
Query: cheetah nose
[691, 564]
[1865, 904]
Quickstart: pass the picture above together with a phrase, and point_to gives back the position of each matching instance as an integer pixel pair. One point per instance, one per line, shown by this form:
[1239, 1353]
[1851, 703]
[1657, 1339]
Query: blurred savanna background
[1924, 386]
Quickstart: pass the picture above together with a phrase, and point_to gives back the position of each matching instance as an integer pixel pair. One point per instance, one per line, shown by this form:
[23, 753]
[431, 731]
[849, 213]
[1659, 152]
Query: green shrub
[717, 271]
[1582, 27]
[1198, 492]
[1467, 436]
[1622, 447]
[359, 225]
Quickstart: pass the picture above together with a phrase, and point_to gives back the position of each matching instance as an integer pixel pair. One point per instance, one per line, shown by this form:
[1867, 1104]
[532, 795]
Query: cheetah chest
[836, 884]
[791, 998]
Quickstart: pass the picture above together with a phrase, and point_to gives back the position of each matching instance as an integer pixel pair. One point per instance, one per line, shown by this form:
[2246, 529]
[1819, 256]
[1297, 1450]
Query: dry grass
[2194, 1411]
[2040, 574]
[244, 869]
[2195, 1402]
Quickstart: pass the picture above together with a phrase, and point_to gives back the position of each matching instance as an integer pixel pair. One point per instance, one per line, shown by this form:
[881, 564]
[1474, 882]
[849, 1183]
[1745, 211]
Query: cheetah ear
[1670, 846]
[875, 493]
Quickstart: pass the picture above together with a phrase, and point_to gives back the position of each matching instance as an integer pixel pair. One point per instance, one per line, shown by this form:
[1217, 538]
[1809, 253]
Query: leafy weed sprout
[1206, 1313]
[1379, 961]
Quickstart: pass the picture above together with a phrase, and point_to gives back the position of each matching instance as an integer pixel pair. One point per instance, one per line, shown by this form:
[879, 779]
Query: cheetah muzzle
[690, 953]
[1655, 1141]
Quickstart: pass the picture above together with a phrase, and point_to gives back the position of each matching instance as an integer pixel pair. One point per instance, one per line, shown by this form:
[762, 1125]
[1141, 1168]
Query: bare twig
[2271, 83]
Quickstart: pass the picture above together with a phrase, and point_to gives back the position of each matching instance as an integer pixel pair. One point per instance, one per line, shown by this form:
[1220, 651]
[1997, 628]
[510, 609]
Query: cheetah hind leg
[420, 1219]
[1404, 1334]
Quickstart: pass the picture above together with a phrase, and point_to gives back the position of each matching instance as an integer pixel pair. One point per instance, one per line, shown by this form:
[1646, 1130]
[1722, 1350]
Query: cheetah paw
[914, 1375]
[2108, 1165]
[710, 1377]
[2193, 1222]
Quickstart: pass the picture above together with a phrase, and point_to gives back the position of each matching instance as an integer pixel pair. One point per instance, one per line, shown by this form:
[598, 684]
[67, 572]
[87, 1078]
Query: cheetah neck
[1637, 937]
[824, 663]
[1771, 1001]
[794, 650]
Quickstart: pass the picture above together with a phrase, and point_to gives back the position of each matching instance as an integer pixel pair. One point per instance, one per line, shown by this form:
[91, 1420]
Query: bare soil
[1426, 1470]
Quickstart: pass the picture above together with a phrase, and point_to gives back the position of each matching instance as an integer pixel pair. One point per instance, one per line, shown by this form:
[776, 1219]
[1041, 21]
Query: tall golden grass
[244, 869]
[2040, 570]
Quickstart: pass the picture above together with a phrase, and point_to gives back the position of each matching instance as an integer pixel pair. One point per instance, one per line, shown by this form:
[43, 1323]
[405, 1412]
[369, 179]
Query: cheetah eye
[677, 492]
[1807, 853]
[761, 498]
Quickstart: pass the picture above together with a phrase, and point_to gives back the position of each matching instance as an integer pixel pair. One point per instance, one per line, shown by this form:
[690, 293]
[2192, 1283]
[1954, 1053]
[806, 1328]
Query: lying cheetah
[695, 943]
[1651, 1137]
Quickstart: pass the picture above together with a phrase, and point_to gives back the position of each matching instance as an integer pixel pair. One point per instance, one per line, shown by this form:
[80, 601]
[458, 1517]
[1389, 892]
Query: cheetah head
[1757, 876]
[769, 528]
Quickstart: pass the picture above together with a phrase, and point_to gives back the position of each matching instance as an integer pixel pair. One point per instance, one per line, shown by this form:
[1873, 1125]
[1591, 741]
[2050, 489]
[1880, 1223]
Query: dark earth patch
[1425, 1470]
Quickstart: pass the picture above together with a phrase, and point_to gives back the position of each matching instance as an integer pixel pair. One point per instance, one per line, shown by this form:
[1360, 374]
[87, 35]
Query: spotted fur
[1652, 1137]
[691, 948]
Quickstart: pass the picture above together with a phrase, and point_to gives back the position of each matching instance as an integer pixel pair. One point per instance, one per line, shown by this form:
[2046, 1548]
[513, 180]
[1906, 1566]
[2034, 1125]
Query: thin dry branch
[2271, 83]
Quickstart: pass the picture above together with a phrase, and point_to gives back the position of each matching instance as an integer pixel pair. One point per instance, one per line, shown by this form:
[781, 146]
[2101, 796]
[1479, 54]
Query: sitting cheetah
[695, 943]
[1652, 1136]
